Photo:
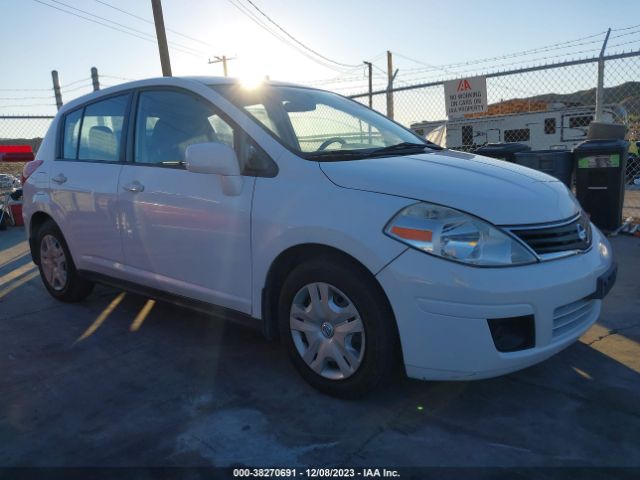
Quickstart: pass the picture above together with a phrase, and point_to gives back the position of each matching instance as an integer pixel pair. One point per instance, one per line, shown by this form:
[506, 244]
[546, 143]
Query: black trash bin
[600, 167]
[557, 163]
[502, 151]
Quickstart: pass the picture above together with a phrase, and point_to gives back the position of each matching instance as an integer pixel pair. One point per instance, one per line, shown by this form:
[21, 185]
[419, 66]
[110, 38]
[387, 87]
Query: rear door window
[101, 131]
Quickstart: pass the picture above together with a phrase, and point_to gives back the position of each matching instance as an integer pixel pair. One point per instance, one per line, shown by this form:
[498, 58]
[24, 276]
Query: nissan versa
[359, 244]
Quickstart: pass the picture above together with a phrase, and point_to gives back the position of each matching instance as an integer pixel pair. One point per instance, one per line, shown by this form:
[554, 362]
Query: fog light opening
[513, 333]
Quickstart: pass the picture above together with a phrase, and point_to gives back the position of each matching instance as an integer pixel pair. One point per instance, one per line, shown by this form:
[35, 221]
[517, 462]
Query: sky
[35, 39]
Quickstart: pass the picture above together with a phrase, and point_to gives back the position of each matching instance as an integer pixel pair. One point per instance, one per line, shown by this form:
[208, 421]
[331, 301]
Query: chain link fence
[545, 107]
[22, 130]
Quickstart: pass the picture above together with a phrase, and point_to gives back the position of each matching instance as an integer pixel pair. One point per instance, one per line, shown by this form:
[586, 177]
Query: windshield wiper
[407, 147]
[349, 154]
[356, 154]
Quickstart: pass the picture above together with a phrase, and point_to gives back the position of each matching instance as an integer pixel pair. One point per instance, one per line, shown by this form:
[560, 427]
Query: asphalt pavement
[119, 380]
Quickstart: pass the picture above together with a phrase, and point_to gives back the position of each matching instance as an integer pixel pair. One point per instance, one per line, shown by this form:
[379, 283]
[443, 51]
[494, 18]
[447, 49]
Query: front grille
[572, 235]
[572, 316]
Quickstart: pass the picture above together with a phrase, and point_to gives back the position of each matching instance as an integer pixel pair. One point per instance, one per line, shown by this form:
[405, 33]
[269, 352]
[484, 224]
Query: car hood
[498, 191]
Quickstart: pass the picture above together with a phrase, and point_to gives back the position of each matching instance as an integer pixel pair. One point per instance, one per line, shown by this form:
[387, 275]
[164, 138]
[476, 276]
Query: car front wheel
[338, 327]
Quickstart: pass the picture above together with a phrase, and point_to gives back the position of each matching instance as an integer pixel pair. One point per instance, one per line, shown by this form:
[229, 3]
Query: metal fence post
[94, 79]
[370, 73]
[391, 75]
[389, 85]
[56, 88]
[600, 87]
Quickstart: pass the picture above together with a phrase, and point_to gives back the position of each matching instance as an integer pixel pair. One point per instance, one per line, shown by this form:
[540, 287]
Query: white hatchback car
[358, 243]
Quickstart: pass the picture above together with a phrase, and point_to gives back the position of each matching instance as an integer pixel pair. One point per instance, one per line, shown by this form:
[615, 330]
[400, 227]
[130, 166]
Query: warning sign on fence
[466, 95]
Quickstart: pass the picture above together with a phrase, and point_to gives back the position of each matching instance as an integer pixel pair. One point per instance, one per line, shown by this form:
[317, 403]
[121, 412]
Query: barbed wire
[74, 82]
[47, 97]
[498, 68]
[624, 28]
[75, 89]
[25, 89]
[116, 77]
[29, 105]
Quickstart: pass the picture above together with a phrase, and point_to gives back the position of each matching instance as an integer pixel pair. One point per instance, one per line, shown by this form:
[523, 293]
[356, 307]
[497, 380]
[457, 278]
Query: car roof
[185, 82]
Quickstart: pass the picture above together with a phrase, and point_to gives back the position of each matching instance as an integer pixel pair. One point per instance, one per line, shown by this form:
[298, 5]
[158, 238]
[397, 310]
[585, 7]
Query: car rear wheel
[338, 327]
[57, 269]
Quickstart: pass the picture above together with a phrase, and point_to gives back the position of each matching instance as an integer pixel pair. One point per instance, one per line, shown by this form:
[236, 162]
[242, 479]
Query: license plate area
[605, 283]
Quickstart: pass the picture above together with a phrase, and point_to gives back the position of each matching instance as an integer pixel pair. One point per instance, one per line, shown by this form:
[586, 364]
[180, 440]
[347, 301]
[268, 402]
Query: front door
[180, 232]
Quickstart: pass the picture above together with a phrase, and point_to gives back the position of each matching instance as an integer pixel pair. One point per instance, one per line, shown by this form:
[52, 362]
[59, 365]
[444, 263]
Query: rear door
[181, 233]
[84, 182]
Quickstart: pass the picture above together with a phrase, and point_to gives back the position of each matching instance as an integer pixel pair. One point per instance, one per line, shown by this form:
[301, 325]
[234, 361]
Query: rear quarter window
[71, 134]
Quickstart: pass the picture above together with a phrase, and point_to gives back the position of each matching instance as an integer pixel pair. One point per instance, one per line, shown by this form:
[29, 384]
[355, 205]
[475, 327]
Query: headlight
[457, 236]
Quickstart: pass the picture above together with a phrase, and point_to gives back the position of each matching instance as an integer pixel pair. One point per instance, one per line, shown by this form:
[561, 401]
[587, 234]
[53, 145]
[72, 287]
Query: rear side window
[71, 134]
[101, 132]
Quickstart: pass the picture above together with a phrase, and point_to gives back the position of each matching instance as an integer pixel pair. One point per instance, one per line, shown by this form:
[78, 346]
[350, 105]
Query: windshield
[321, 125]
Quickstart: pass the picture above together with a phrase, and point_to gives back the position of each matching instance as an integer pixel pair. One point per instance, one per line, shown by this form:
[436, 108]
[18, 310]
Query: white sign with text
[465, 95]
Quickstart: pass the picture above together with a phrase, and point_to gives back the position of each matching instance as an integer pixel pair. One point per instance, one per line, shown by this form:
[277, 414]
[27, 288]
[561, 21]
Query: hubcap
[53, 262]
[327, 331]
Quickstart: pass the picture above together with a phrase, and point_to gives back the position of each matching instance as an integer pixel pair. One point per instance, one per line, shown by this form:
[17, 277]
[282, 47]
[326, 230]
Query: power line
[107, 4]
[111, 26]
[262, 24]
[315, 52]
[121, 25]
[346, 76]
[254, 18]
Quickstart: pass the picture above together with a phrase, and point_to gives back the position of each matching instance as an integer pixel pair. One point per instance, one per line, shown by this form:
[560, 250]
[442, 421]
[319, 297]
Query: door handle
[134, 187]
[60, 178]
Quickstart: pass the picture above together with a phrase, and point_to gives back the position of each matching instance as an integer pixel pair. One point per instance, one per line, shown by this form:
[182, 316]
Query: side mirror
[216, 158]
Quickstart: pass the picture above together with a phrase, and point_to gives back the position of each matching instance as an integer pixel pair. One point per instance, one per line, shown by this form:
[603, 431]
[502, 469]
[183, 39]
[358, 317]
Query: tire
[370, 349]
[56, 266]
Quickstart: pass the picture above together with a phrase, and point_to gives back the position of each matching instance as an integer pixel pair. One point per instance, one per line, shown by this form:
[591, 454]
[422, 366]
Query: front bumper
[442, 307]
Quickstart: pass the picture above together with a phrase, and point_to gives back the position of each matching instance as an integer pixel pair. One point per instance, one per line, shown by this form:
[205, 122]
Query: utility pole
[94, 79]
[56, 88]
[370, 69]
[223, 59]
[600, 88]
[161, 35]
[391, 75]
